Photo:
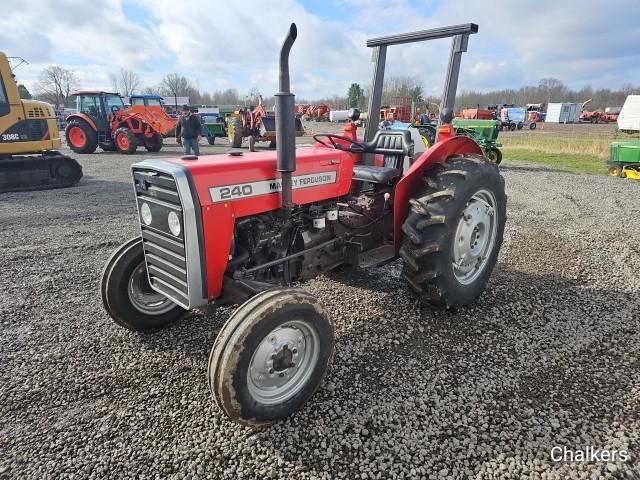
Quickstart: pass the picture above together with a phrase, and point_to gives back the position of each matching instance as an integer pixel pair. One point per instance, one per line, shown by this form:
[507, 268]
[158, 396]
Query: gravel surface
[549, 356]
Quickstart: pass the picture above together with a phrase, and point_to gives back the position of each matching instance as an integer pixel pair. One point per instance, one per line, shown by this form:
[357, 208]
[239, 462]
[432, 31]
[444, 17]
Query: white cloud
[236, 44]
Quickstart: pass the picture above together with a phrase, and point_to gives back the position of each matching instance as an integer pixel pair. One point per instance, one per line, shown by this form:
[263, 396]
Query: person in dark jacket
[189, 131]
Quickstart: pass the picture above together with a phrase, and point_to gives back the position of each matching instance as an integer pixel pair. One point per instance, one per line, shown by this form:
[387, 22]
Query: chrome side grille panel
[174, 263]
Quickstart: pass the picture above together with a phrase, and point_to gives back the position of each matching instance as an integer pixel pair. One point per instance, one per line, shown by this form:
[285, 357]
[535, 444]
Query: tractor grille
[165, 253]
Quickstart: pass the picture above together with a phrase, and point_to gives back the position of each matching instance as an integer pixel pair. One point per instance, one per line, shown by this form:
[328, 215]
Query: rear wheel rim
[475, 237]
[283, 363]
[77, 137]
[143, 297]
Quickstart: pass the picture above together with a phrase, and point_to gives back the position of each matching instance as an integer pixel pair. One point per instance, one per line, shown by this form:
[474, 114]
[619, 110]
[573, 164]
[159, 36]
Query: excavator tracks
[38, 172]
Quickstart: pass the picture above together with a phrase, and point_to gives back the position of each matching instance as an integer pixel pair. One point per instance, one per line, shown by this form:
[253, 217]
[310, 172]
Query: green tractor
[624, 159]
[485, 132]
[214, 125]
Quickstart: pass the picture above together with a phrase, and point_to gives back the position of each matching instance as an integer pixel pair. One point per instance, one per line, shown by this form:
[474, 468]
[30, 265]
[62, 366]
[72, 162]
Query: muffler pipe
[285, 122]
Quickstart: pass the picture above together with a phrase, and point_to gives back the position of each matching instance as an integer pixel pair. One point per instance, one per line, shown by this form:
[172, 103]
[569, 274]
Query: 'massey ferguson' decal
[264, 187]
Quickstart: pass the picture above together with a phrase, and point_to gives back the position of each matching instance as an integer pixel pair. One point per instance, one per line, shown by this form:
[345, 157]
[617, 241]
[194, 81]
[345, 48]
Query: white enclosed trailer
[629, 118]
[563, 113]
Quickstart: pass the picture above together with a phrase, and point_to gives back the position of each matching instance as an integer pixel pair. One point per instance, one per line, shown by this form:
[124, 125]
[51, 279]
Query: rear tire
[270, 356]
[532, 126]
[153, 144]
[127, 295]
[235, 132]
[458, 216]
[81, 137]
[126, 142]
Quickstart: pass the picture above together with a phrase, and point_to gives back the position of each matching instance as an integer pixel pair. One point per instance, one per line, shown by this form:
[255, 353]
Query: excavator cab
[28, 141]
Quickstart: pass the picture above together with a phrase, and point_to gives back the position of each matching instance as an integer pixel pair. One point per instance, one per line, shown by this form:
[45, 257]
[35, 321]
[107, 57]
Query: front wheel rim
[123, 141]
[77, 137]
[283, 363]
[475, 237]
[143, 297]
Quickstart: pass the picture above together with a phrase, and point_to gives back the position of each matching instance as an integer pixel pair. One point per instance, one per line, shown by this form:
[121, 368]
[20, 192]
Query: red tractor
[258, 125]
[241, 228]
[318, 113]
[102, 121]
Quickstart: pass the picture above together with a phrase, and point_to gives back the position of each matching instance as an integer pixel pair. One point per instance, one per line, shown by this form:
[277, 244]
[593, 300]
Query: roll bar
[460, 34]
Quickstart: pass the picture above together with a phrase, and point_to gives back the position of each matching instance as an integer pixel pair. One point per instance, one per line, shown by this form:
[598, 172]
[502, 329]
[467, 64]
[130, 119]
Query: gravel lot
[548, 357]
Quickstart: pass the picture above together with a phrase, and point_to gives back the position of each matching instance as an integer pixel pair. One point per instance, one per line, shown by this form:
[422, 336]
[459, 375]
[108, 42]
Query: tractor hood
[251, 183]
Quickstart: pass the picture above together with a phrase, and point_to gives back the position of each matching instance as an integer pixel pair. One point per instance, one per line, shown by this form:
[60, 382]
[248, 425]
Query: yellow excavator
[28, 141]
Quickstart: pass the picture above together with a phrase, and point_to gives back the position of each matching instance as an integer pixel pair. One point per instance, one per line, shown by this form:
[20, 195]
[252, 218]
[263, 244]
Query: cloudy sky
[235, 44]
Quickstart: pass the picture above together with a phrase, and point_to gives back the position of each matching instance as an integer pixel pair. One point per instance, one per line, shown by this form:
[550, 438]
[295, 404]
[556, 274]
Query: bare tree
[553, 89]
[226, 97]
[152, 90]
[125, 82]
[56, 84]
[401, 90]
[176, 85]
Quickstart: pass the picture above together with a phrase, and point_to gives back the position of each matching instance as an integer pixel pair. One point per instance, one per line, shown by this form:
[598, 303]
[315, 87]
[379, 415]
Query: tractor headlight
[174, 223]
[145, 213]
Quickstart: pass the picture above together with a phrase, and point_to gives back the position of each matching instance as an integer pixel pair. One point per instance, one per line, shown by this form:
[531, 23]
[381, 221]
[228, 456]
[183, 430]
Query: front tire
[235, 132]
[211, 139]
[454, 231]
[126, 142]
[615, 170]
[494, 154]
[153, 144]
[127, 295]
[270, 356]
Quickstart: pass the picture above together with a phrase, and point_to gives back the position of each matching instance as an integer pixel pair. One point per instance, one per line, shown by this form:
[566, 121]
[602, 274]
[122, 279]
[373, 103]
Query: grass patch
[575, 162]
[591, 145]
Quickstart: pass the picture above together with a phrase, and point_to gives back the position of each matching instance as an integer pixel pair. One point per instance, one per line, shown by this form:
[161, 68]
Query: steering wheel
[354, 147]
[115, 108]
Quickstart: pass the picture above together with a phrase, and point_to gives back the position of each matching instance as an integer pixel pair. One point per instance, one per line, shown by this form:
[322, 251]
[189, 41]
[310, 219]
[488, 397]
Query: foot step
[377, 257]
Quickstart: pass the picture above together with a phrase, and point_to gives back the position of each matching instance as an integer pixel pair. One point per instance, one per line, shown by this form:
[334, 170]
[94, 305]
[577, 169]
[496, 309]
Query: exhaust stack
[285, 122]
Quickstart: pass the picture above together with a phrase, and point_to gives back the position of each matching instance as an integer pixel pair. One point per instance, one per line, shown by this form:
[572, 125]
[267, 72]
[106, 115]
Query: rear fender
[412, 180]
[83, 117]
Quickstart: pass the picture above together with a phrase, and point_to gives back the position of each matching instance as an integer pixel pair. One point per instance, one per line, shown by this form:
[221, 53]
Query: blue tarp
[514, 114]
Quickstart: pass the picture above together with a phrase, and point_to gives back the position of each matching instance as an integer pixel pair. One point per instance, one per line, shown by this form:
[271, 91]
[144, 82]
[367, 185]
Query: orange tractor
[318, 113]
[102, 121]
[151, 107]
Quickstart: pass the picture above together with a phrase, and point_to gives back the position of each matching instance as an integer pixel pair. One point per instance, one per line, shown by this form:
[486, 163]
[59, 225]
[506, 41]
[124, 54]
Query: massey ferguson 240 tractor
[241, 228]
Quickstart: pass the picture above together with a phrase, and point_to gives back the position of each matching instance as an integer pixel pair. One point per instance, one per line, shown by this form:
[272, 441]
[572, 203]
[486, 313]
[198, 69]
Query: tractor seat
[393, 146]
[371, 174]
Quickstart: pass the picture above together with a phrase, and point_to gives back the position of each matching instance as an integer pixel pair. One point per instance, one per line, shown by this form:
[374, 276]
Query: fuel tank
[250, 183]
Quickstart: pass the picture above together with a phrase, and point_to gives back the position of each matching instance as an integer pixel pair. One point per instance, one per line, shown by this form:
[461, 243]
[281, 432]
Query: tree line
[55, 85]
